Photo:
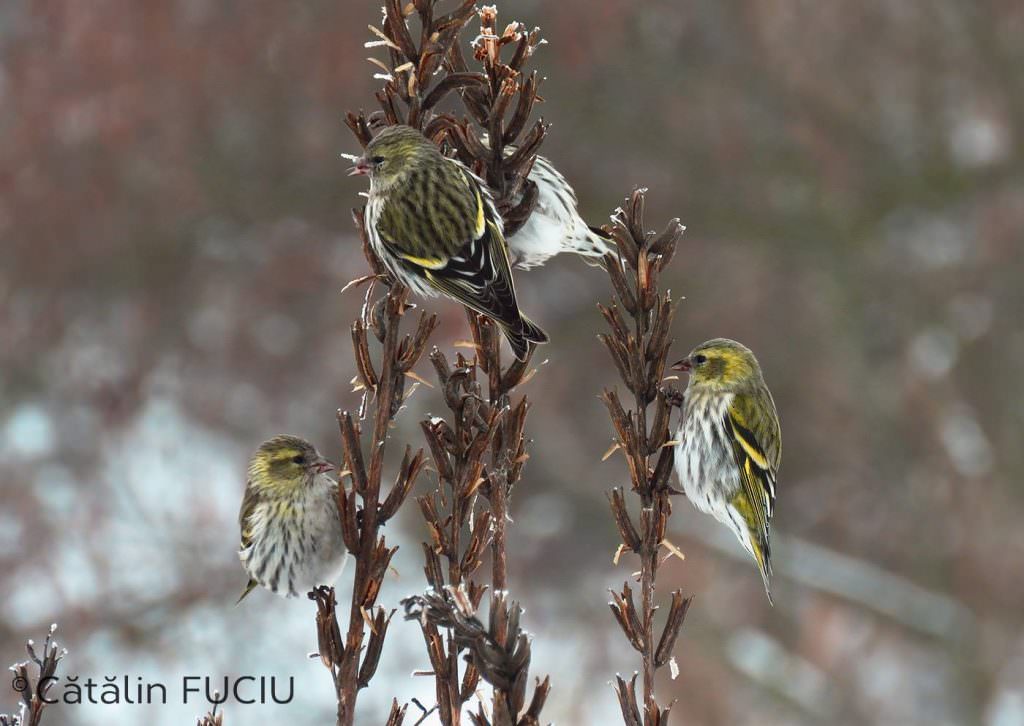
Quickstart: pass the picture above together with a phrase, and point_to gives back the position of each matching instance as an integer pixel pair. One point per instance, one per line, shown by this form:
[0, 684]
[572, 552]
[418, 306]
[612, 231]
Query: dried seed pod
[397, 714]
[627, 531]
[375, 647]
[349, 526]
[627, 246]
[674, 623]
[626, 693]
[360, 128]
[361, 348]
[624, 609]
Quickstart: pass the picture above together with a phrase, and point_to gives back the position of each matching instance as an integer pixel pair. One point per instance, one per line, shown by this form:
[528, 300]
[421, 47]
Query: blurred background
[175, 233]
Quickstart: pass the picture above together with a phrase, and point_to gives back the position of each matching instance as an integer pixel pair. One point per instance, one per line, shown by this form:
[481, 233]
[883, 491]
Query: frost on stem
[33, 680]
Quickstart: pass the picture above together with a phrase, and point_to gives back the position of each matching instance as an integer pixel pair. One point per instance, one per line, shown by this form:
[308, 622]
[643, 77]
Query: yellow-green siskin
[434, 224]
[730, 444]
[291, 532]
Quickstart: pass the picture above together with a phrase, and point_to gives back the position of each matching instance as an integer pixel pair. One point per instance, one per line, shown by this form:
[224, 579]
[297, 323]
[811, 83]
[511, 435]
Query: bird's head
[283, 464]
[720, 364]
[393, 154]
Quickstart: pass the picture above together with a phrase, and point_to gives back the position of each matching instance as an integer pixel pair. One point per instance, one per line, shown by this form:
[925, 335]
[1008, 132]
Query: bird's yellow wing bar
[428, 263]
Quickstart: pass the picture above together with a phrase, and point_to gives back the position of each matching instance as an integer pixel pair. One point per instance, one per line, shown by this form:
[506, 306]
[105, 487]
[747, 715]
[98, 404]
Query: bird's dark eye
[700, 359]
[299, 459]
[377, 159]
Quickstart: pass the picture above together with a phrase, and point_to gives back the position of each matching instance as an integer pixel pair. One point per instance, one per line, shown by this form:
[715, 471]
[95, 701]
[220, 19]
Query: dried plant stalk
[420, 71]
[212, 718]
[480, 452]
[362, 508]
[413, 87]
[458, 450]
[499, 652]
[33, 687]
[640, 318]
[411, 91]
[482, 449]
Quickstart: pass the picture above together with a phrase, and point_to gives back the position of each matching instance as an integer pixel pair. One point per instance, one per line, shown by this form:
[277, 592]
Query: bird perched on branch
[291, 531]
[729, 444]
[434, 224]
[555, 225]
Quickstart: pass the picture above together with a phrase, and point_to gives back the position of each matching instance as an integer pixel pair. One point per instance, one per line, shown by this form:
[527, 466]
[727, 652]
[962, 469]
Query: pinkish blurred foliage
[175, 230]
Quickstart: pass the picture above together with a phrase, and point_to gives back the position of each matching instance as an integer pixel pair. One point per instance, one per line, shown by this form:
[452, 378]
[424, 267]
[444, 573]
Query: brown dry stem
[33, 679]
[480, 448]
[640, 319]
[353, 659]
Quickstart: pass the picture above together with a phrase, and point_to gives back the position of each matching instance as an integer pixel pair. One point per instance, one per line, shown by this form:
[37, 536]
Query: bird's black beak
[362, 167]
[683, 365]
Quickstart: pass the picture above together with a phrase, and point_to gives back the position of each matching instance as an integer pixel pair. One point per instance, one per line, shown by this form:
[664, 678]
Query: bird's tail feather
[248, 589]
[532, 332]
[762, 556]
[752, 531]
[598, 244]
[520, 337]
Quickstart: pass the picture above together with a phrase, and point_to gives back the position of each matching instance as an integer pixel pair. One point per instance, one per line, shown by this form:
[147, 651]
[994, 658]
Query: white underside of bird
[555, 225]
[308, 552]
[706, 464]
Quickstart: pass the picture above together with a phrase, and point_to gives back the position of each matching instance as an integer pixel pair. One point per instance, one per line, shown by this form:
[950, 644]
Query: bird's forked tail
[520, 338]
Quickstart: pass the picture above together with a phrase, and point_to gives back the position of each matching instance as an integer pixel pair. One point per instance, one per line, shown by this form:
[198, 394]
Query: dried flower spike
[639, 319]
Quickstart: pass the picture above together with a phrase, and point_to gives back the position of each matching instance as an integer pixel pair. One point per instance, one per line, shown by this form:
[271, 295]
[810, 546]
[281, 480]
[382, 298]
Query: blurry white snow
[10, 531]
[933, 352]
[966, 443]
[1006, 705]
[35, 598]
[28, 432]
[167, 475]
[246, 403]
[766, 661]
[971, 315]
[932, 241]
[1007, 708]
[544, 515]
[977, 141]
